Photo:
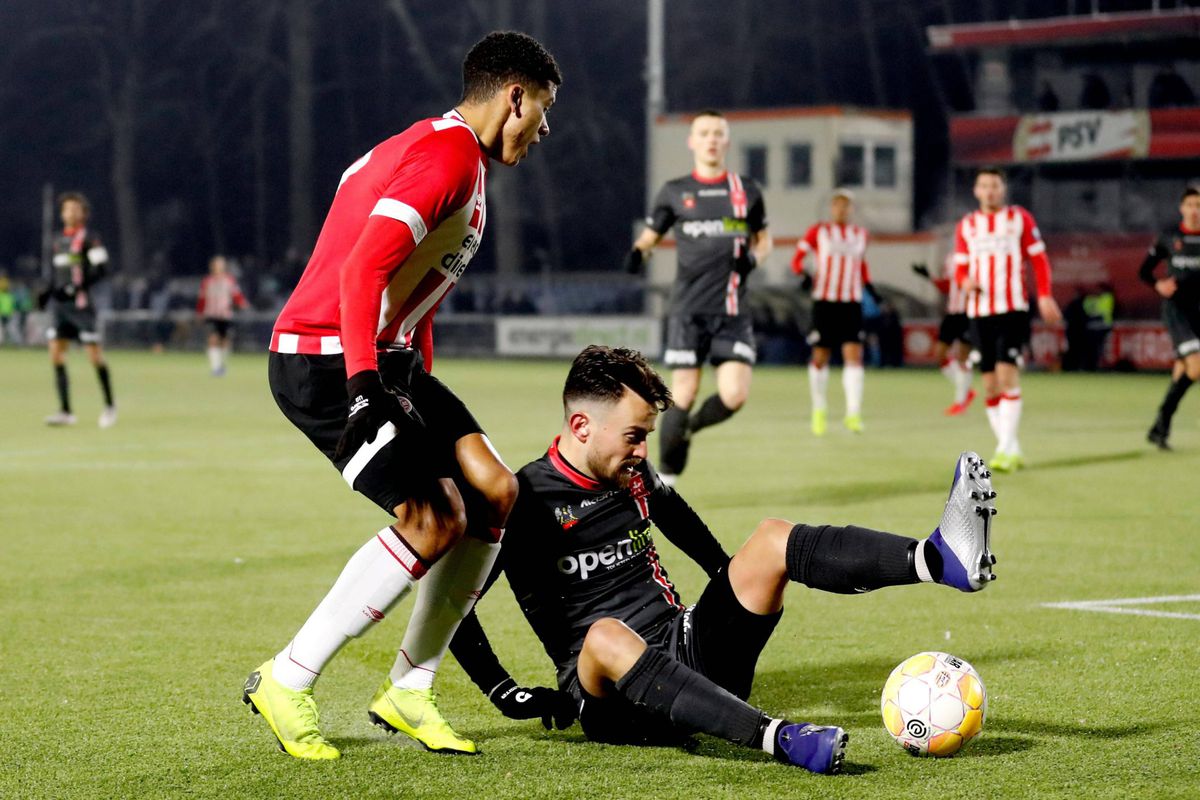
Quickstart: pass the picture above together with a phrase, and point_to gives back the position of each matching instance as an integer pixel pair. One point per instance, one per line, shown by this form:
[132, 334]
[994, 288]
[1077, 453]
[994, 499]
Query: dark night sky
[205, 63]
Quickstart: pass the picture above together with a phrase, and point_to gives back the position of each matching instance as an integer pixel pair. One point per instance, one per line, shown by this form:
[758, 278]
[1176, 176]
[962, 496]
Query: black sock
[63, 384]
[1171, 402]
[851, 560]
[105, 383]
[673, 443]
[665, 686]
[712, 412]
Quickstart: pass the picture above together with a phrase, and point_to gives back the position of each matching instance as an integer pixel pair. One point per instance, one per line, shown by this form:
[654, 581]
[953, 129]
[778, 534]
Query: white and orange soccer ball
[933, 704]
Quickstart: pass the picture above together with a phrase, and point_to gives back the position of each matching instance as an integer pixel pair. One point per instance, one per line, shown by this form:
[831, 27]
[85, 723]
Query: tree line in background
[223, 126]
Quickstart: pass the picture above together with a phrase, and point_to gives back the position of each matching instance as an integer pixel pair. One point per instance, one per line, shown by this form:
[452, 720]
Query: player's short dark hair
[707, 112]
[78, 197]
[504, 57]
[1191, 191]
[999, 173]
[603, 373]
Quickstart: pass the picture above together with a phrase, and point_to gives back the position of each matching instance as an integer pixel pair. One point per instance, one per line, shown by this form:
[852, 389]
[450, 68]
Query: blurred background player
[79, 260]
[953, 348]
[348, 367]
[839, 248]
[8, 307]
[1179, 246]
[990, 247]
[720, 224]
[219, 295]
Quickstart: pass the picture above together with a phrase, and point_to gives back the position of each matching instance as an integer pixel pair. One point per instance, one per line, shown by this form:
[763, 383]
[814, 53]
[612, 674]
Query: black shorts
[954, 328]
[716, 637]
[693, 339]
[835, 324]
[1000, 338]
[1184, 326]
[219, 326]
[69, 322]
[311, 392]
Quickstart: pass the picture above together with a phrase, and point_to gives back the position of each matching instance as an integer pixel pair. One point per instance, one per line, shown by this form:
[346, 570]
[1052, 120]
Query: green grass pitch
[149, 568]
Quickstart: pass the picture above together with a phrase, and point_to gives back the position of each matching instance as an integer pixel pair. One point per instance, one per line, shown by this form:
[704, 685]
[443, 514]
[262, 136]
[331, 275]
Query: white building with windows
[799, 156]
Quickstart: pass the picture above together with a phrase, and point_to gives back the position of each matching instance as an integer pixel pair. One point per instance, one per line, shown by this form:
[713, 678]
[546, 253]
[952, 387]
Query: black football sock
[63, 384]
[851, 560]
[105, 383]
[673, 441]
[664, 686]
[712, 412]
[1171, 402]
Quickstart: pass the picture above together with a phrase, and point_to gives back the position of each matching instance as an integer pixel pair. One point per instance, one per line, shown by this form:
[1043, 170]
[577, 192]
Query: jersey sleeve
[433, 179]
[962, 256]
[1158, 252]
[683, 527]
[806, 245]
[239, 299]
[756, 216]
[662, 214]
[203, 298]
[1033, 247]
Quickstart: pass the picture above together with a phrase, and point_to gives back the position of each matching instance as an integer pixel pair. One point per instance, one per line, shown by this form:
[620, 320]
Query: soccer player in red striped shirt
[219, 296]
[348, 367]
[952, 350]
[990, 248]
[839, 248]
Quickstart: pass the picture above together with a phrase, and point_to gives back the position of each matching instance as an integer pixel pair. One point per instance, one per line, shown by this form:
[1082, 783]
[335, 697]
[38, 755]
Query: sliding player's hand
[371, 407]
[555, 708]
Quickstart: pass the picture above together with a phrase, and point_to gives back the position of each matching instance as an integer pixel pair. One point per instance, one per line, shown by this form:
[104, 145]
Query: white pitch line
[1118, 606]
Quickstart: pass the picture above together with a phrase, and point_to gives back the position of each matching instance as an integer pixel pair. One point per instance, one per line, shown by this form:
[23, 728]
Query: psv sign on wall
[1082, 136]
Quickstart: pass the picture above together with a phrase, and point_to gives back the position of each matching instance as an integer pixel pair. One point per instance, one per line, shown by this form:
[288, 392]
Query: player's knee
[770, 539]
[735, 398]
[607, 640]
[1192, 369]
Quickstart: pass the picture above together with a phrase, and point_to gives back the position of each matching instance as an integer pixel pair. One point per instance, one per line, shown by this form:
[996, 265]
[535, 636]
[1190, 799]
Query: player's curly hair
[603, 373]
[506, 57]
[989, 170]
[77, 197]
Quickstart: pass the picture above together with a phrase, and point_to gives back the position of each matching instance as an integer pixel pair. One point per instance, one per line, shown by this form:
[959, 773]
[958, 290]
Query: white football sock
[443, 598]
[1010, 421]
[993, 417]
[853, 377]
[769, 733]
[949, 370]
[214, 358]
[962, 382]
[920, 564]
[373, 580]
[818, 383]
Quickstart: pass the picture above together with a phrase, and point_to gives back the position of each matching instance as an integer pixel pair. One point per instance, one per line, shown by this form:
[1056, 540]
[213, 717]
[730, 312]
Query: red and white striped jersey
[218, 296]
[991, 249]
[840, 252]
[405, 221]
[956, 297]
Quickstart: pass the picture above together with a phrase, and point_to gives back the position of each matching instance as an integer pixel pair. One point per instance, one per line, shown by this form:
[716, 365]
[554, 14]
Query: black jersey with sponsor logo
[1180, 248]
[713, 219]
[575, 551]
[79, 260]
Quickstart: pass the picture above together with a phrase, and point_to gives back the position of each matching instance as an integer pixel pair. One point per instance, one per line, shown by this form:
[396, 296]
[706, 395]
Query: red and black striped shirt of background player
[576, 551]
[713, 219]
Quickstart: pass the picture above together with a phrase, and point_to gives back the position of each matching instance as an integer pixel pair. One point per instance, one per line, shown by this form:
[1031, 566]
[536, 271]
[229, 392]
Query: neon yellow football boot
[1002, 462]
[853, 423]
[291, 714]
[414, 712]
[820, 421]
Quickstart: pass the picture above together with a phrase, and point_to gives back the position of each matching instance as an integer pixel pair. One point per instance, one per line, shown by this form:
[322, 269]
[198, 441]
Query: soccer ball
[933, 704]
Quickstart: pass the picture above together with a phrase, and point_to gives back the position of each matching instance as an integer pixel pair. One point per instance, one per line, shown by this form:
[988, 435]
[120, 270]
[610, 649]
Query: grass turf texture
[149, 568]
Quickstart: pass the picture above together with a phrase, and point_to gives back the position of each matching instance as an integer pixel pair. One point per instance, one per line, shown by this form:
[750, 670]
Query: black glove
[806, 282]
[635, 261]
[921, 270]
[875, 295]
[520, 702]
[744, 264]
[371, 406]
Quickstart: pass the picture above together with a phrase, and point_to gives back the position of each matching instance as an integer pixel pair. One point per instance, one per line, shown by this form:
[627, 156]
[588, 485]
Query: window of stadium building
[800, 164]
[852, 166]
[754, 156]
[884, 166]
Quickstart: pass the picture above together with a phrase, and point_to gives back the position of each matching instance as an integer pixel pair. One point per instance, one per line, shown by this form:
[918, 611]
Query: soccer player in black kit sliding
[638, 665]
[1179, 246]
[720, 225]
